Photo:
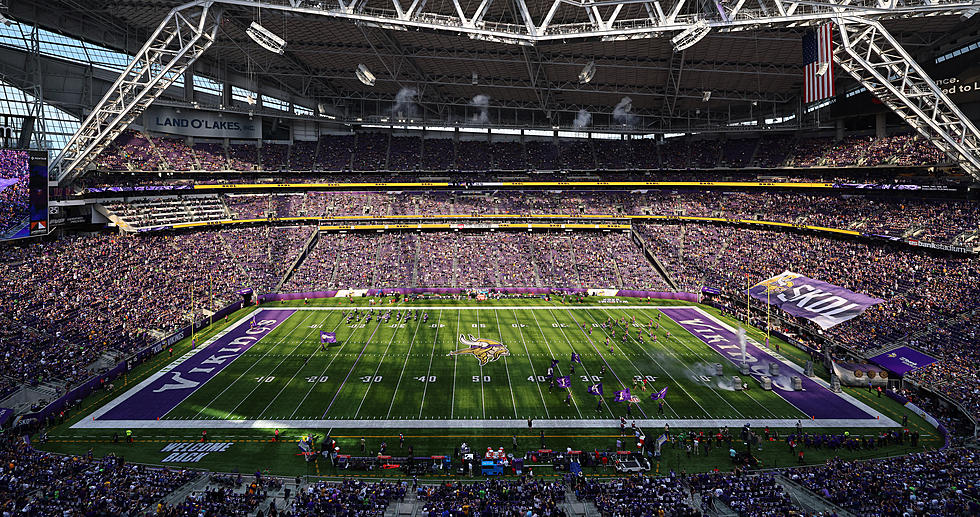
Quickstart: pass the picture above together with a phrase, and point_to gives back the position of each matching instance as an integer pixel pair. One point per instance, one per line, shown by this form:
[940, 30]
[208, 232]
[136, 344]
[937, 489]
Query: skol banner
[822, 303]
[203, 124]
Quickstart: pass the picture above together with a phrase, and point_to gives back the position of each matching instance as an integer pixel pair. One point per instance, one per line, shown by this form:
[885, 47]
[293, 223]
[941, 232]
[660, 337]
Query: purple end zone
[165, 392]
[815, 400]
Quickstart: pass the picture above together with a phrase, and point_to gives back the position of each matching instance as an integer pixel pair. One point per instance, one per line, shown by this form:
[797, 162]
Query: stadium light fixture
[476, 79]
[587, 73]
[706, 97]
[690, 36]
[364, 75]
[265, 39]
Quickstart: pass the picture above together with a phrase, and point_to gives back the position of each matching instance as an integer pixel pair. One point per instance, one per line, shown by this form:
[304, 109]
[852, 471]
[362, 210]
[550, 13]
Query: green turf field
[398, 369]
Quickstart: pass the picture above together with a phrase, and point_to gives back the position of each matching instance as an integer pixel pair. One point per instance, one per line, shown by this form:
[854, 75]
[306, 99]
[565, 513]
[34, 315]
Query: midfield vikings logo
[485, 350]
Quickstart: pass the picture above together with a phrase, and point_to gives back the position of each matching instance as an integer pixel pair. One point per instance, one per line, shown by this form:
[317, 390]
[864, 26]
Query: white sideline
[503, 423]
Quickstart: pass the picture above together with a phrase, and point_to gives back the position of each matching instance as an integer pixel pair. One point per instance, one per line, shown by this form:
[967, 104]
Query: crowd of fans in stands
[493, 497]
[933, 220]
[14, 189]
[935, 483]
[940, 483]
[67, 302]
[749, 496]
[604, 260]
[39, 483]
[370, 151]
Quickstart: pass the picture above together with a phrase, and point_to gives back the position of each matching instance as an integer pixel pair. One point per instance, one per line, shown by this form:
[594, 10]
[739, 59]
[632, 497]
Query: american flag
[818, 49]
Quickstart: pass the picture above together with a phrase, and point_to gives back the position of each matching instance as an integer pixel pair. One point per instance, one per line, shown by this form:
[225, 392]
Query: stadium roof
[752, 73]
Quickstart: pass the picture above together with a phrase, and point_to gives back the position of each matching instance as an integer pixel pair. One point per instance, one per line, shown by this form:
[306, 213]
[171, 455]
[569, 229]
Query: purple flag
[822, 303]
[623, 396]
[659, 395]
[596, 389]
[576, 358]
[565, 382]
[328, 337]
[903, 360]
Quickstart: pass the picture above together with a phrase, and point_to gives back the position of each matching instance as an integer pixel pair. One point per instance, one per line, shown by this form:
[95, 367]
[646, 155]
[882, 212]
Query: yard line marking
[483, 391]
[342, 383]
[378, 369]
[547, 344]
[536, 383]
[679, 385]
[513, 399]
[410, 346]
[325, 368]
[627, 359]
[315, 350]
[452, 404]
[276, 367]
[560, 329]
[257, 361]
[611, 370]
[428, 373]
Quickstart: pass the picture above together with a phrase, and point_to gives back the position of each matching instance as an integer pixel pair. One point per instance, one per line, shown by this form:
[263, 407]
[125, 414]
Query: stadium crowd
[505, 259]
[371, 151]
[14, 189]
[494, 497]
[938, 483]
[68, 301]
[639, 496]
[935, 220]
[750, 496]
[39, 483]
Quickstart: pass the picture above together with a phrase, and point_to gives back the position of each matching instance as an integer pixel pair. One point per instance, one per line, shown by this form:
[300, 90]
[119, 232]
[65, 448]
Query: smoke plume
[621, 113]
[481, 103]
[405, 103]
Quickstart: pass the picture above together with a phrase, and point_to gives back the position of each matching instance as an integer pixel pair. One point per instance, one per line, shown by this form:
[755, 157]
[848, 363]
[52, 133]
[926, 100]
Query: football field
[481, 364]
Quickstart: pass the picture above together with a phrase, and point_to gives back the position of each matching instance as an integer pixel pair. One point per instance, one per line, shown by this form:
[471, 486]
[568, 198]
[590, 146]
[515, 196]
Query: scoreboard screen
[23, 193]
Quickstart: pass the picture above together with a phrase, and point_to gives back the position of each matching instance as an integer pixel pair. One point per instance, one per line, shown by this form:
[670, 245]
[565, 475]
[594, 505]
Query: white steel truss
[607, 19]
[873, 57]
[868, 52]
[180, 39]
